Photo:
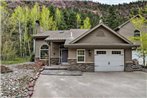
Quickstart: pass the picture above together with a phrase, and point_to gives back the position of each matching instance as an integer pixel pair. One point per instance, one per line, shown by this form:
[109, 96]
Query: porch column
[49, 49]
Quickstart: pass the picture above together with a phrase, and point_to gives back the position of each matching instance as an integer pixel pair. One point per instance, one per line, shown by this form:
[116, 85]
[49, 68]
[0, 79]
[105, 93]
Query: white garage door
[109, 60]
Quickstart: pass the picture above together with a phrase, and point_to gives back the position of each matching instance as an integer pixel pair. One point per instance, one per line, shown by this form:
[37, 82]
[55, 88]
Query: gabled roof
[120, 26]
[101, 24]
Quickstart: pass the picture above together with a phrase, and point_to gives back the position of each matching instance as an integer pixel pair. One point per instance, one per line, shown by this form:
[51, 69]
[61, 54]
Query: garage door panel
[112, 60]
[100, 60]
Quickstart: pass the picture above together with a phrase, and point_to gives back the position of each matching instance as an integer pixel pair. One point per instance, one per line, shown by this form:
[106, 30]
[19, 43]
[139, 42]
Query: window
[136, 33]
[80, 55]
[116, 52]
[44, 52]
[100, 52]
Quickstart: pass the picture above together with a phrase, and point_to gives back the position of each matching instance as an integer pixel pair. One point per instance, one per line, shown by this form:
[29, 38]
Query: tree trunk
[20, 39]
[29, 48]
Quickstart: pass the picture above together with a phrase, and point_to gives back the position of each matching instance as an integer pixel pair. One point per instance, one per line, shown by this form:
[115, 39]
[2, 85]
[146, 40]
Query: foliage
[140, 23]
[87, 24]
[78, 20]
[112, 19]
[32, 57]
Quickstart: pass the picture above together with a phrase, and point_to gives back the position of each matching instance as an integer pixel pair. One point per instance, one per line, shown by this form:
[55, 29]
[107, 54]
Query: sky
[114, 1]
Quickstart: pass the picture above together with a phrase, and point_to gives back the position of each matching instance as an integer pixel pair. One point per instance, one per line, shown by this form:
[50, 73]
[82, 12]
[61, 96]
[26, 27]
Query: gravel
[15, 84]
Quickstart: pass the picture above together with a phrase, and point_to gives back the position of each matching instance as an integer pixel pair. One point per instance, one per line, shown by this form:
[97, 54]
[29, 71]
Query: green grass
[16, 60]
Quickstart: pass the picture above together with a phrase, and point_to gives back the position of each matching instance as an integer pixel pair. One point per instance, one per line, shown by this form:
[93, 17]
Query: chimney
[71, 36]
[38, 29]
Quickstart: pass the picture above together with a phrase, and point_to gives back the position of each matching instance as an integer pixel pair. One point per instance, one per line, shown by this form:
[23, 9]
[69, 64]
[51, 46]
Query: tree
[27, 35]
[78, 20]
[139, 24]
[112, 19]
[34, 15]
[58, 17]
[86, 24]
[18, 19]
[8, 50]
[46, 19]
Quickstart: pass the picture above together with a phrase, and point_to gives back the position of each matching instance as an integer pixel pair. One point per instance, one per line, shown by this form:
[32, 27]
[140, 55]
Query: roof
[144, 28]
[73, 35]
[101, 24]
[65, 35]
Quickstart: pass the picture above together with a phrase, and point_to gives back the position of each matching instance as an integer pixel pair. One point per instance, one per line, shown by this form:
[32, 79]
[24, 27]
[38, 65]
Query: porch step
[56, 67]
[61, 72]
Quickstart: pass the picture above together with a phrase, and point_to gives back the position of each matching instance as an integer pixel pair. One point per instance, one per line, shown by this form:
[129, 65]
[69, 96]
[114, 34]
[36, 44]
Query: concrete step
[56, 67]
[61, 72]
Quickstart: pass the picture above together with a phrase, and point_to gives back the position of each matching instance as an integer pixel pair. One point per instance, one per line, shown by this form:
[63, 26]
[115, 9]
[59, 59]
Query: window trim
[81, 55]
[41, 50]
[136, 33]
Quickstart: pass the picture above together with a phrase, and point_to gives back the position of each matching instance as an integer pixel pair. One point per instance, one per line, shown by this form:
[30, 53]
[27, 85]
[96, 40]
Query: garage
[109, 60]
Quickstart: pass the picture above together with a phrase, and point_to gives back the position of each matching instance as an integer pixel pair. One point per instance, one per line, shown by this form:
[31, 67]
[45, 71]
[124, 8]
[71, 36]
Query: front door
[64, 55]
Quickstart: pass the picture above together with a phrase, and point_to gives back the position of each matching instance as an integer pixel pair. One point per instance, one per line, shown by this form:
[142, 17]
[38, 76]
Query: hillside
[85, 6]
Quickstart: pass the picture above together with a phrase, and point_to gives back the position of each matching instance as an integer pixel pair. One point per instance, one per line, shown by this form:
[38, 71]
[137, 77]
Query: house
[97, 49]
[128, 30]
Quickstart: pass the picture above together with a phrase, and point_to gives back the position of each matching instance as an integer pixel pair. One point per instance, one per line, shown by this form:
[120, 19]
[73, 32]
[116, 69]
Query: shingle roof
[101, 24]
[143, 29]
[61, 35]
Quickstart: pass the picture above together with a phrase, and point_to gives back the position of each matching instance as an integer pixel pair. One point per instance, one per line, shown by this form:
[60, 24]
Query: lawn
[16, 60]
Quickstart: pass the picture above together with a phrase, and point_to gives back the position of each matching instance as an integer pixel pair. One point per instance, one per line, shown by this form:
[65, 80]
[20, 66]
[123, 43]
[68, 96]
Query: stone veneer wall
[85, 67]
[54, 61]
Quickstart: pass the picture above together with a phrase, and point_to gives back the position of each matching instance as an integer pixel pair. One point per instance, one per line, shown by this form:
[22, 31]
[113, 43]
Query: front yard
[15, 61]
[93, 85]
[14, 84]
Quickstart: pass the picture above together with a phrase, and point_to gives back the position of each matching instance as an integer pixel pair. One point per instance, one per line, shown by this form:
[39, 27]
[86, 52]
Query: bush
[32, 57]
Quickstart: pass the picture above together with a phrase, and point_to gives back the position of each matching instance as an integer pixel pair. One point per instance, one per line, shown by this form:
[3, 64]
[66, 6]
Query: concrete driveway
[93, 85]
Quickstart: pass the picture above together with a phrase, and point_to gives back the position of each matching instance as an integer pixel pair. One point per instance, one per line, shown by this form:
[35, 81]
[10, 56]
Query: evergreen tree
[112, 19]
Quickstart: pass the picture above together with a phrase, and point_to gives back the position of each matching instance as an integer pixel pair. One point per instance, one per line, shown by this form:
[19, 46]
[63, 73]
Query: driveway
[93, 85]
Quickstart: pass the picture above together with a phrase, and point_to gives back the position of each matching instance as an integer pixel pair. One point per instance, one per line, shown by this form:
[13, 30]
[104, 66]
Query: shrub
[32, 57]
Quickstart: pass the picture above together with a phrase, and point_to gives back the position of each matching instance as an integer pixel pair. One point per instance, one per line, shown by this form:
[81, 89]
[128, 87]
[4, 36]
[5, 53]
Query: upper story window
[44, 52]
[136, 33]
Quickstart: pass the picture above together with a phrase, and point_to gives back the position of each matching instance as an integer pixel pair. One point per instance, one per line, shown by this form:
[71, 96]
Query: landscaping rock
[15, 84]
[5, 69]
